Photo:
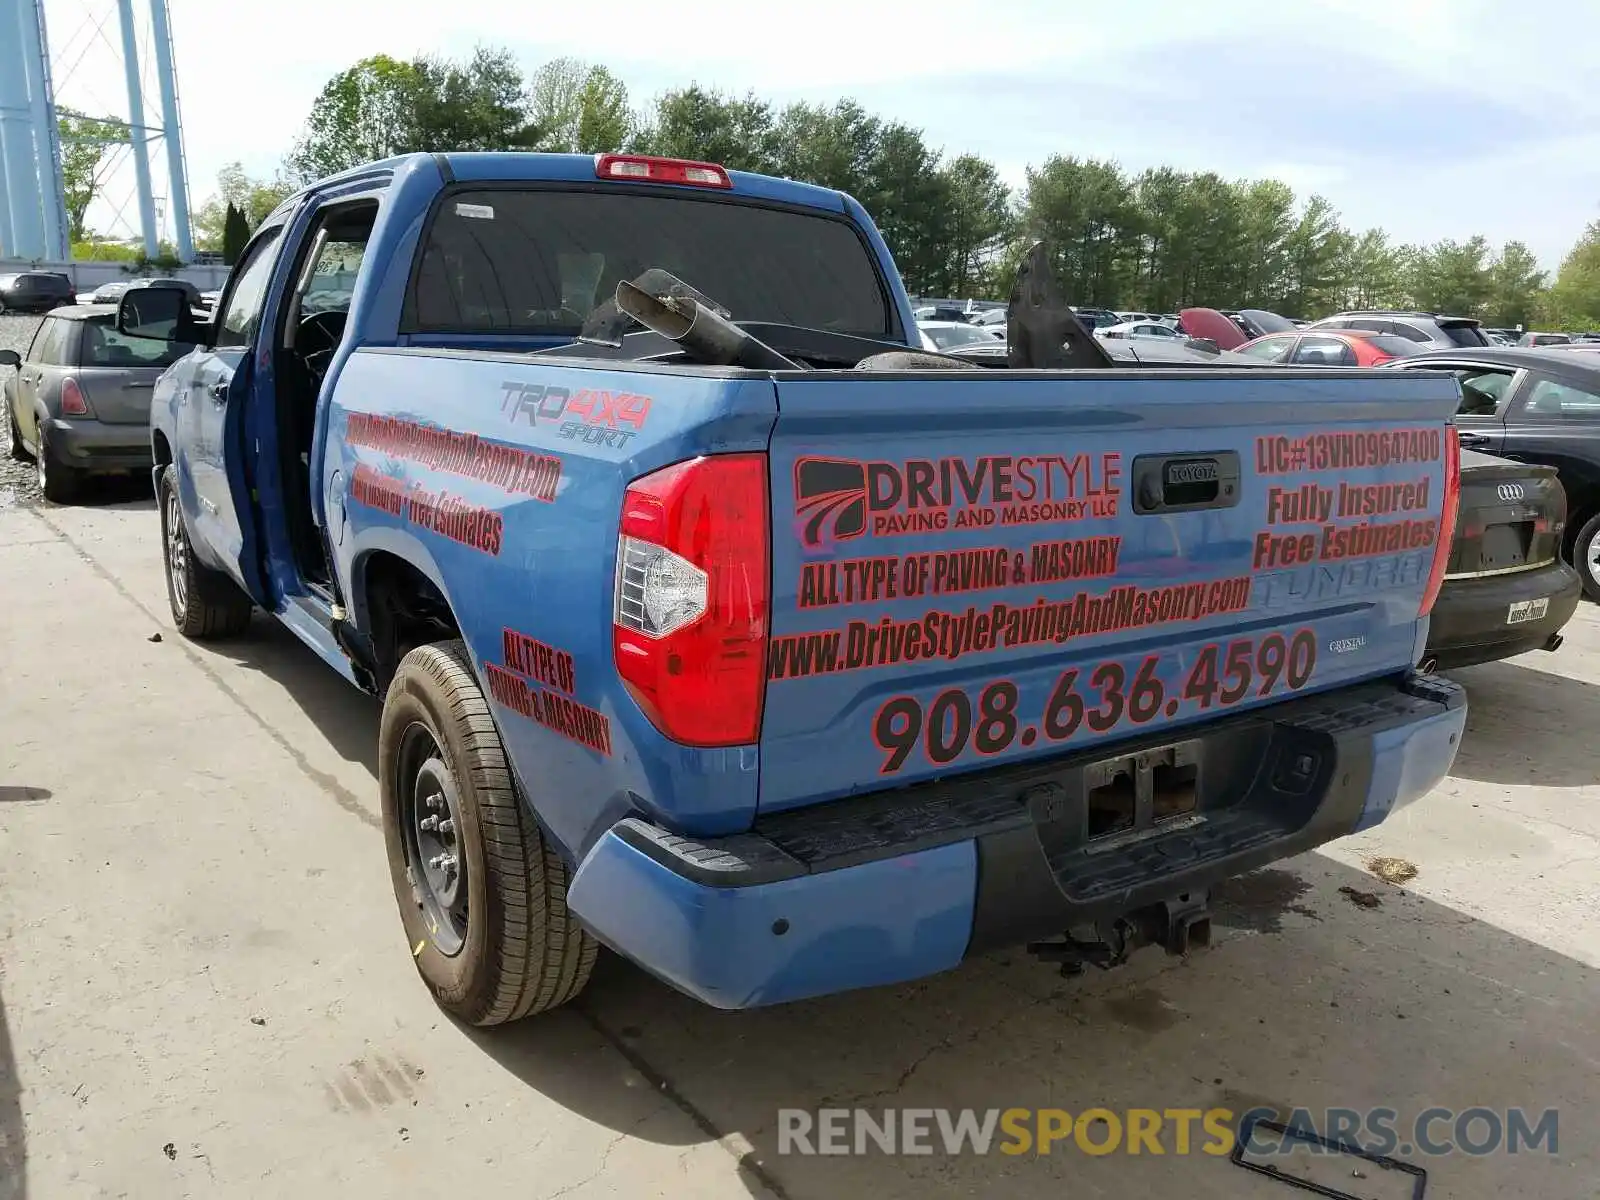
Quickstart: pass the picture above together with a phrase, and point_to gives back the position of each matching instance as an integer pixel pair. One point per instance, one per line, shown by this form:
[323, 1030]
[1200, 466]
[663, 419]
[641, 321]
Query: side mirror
[10, 358]
[156, 313]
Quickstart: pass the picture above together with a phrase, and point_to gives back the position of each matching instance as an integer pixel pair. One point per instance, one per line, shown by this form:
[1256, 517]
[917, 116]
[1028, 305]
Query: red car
[1330, 348]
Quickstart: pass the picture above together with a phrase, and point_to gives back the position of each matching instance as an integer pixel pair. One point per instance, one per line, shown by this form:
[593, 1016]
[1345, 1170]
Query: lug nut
[443, 862]
[428, 823]
[446, 825]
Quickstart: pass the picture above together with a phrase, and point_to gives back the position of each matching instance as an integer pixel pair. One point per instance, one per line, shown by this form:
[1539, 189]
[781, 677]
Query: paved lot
[204, 990]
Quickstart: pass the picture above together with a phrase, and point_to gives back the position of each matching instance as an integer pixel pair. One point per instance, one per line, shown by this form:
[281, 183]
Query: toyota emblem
[1511, 491]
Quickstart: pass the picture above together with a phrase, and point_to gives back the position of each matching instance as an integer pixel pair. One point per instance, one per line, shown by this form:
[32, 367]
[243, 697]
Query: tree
[695, 123]
[85, 163]
[579, 108]
[976, 223]
[382, 107]
[1451, 277]
[254, 198]
[1516, 286]
[1084, 210]
[235, 233]
[1372, 272]
[1574, 299]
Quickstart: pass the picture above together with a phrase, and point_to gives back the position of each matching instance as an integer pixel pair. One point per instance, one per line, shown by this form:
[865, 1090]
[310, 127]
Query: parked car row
[1529, 426]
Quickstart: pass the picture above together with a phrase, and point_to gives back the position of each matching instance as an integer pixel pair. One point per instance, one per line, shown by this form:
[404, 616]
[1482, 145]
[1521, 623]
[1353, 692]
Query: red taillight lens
[646, 168]
[1447, 521]
[689, 623]
[72, 402]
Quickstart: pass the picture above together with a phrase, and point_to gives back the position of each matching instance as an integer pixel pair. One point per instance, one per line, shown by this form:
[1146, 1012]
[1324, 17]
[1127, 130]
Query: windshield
[947, 337]
[103, 346]
[539, 261]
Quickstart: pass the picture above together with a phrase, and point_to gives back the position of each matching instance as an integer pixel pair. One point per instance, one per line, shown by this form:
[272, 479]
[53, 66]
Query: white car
[949, 335]
[1140, 329]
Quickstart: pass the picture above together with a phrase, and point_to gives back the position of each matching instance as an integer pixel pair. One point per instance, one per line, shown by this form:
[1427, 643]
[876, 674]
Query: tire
[205, 604]
[59, 484]
[516, 949]
[1585, 551]
[16, 450]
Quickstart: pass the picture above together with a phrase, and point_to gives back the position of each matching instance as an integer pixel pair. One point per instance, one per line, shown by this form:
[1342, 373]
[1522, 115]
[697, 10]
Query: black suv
[1433, 331]
[35, 291]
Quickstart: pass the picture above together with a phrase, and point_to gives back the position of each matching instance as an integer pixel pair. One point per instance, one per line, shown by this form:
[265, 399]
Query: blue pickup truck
[715, 624]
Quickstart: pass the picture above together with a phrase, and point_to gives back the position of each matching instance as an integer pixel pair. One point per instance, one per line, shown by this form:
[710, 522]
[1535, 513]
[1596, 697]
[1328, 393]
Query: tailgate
[987, 568]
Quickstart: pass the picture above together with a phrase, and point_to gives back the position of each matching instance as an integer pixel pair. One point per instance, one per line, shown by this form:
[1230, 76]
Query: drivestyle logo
[836, 499]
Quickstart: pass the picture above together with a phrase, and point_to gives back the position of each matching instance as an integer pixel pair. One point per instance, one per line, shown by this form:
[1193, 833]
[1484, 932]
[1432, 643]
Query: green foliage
[253, 198]
[85, 162]
[579, 109]
[382, 107]
[235, 233]
[96, 250]
[1161, 240]
[1573, 301]
[165, 260]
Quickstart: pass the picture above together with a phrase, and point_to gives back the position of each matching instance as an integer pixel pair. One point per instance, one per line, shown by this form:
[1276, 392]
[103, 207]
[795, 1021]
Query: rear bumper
[1469, 619]
[88, 445]
[887, 887]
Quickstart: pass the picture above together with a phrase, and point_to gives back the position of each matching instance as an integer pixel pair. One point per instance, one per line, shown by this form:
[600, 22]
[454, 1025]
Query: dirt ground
[204, 989]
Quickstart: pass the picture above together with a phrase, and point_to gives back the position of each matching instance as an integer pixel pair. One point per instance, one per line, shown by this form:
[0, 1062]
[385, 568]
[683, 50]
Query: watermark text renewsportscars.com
[1434, 1131]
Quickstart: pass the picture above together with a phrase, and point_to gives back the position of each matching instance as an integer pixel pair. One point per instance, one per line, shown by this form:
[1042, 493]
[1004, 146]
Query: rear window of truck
[537, 261]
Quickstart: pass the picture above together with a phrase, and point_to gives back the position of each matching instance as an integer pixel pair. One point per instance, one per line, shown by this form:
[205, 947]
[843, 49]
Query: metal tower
[34, 223]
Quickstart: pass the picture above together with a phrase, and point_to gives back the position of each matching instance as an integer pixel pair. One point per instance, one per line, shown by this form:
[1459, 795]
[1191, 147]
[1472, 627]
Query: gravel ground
[16, 479]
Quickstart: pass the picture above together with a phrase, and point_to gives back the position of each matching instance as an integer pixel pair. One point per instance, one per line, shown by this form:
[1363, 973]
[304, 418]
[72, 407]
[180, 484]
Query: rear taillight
[1447, 521]
[72, 402]
[689, 623]
[646, 168]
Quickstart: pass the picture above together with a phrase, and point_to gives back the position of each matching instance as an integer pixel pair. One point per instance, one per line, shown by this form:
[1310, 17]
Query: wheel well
[160, 448]
[404, 610]
[1581, 507]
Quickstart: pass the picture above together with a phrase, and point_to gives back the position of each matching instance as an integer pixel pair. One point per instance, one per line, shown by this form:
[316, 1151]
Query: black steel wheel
[482, 894]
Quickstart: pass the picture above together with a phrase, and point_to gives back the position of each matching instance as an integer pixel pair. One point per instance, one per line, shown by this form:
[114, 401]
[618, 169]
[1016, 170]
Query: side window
[247, 294]
[41, 341]
[1370, 325]
[1270, 349]
[1551, 399]
[1324, 352]
[50, 347]
[1410, 331]
[1483, 392]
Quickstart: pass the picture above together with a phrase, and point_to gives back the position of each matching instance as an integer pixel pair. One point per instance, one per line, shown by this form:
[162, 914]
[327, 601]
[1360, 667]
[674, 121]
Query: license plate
[1527, 610]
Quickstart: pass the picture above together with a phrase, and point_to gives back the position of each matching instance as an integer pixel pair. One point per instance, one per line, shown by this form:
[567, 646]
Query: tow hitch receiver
[1176, 925]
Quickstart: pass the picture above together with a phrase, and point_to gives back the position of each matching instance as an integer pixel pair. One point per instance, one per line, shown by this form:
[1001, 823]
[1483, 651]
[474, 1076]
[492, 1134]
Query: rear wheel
[59, 484]
[1586, 556]
[205, 603]
[482, 895]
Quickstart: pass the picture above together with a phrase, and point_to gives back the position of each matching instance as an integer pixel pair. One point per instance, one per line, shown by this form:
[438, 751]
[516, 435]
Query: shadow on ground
[346, 717]
[1527, 726]
[13, 1144]
[1325, 987]
[1308, 998]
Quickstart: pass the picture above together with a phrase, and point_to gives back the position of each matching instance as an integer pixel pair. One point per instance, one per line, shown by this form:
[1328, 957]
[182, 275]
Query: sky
[1430, 119]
